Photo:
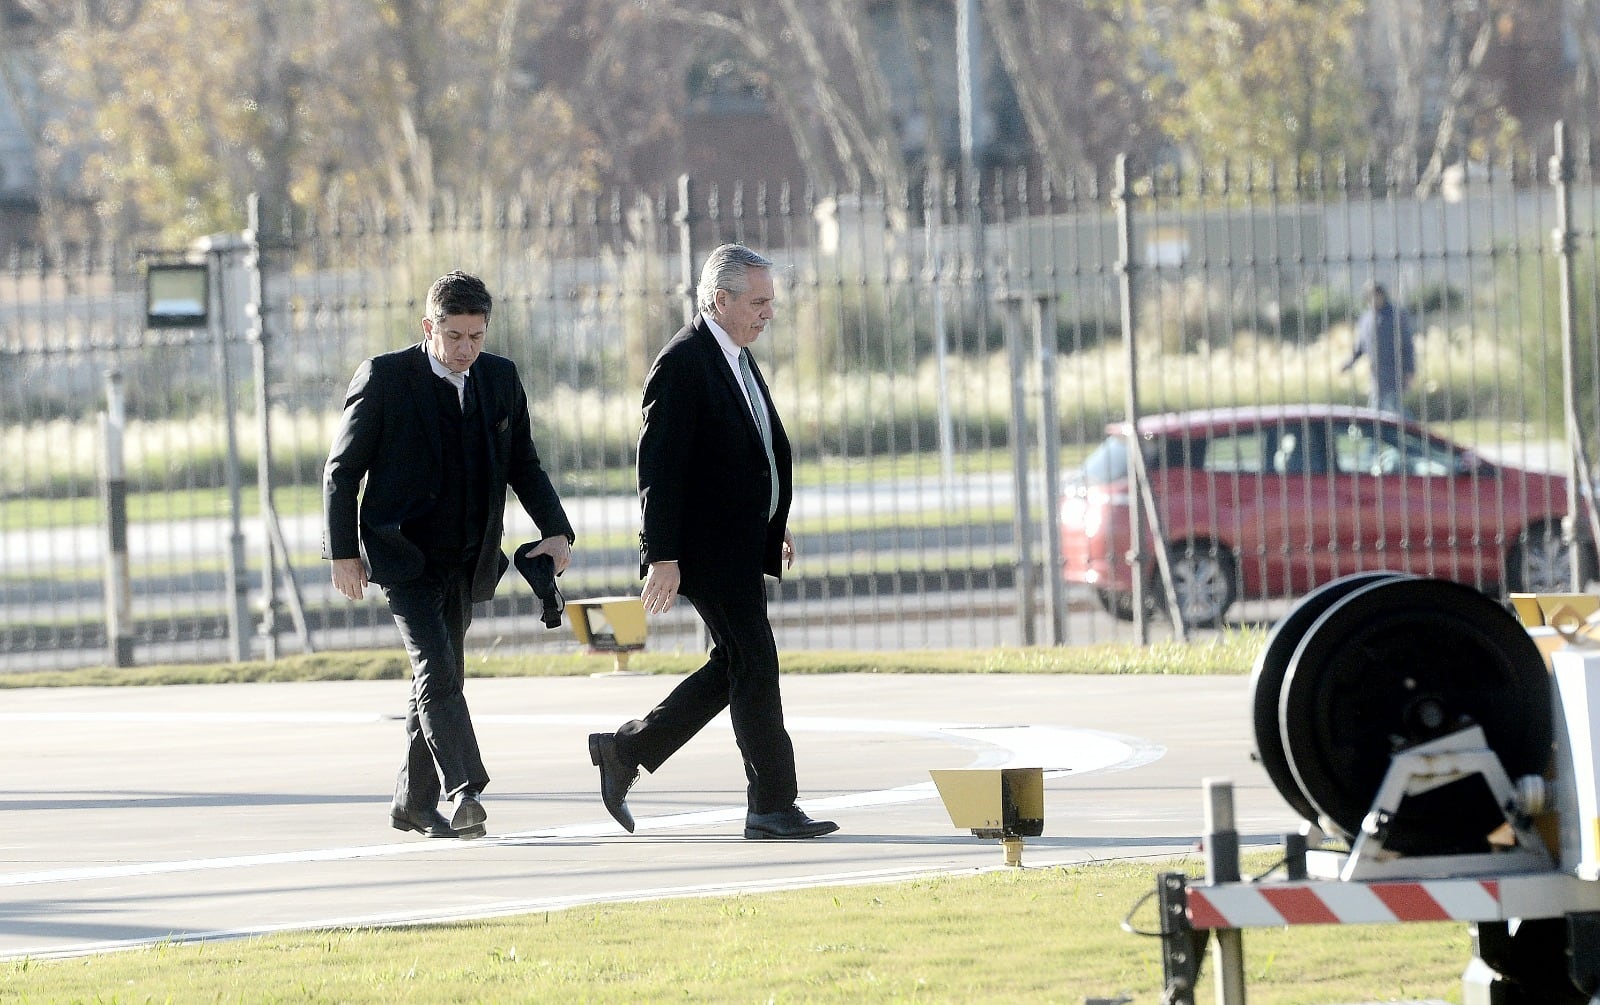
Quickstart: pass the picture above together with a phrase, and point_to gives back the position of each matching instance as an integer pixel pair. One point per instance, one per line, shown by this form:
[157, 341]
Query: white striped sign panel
[1241, 905]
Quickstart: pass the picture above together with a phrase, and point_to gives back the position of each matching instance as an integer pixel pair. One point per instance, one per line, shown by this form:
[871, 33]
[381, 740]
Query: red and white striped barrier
[1322, 902]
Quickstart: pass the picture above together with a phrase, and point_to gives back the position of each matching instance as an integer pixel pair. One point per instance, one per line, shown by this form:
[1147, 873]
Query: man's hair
[458, 293]
[727, 268]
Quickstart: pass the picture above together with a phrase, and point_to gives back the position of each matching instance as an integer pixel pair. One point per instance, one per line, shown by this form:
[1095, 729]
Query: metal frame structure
[1531, 897]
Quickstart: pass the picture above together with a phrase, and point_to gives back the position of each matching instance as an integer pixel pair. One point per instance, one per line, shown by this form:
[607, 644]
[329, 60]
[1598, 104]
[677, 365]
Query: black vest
[452, 531]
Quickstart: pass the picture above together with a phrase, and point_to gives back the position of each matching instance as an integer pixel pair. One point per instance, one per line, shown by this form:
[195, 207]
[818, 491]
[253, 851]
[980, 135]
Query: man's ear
[427, 327]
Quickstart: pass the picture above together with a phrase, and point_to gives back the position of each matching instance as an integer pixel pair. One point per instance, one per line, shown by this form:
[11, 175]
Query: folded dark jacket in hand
[540, 572]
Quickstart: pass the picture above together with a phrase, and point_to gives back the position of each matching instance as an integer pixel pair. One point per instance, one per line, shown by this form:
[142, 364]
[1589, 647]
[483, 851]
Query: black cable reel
[1377, 662]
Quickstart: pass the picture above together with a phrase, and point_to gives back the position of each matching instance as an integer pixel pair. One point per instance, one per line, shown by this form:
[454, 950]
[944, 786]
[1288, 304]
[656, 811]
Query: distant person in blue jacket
[1384, 335]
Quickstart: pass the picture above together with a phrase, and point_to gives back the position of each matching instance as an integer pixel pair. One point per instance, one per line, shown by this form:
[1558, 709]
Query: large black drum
[1373, 664]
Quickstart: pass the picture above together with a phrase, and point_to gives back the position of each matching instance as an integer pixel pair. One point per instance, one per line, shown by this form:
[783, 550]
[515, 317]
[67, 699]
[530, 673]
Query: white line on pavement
[1059, 750]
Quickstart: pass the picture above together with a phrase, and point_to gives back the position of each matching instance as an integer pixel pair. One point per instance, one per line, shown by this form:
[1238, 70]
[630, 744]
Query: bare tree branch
[1463, 77]
[1058, 144]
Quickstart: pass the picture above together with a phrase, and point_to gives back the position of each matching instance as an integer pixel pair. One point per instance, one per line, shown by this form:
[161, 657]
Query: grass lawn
[1229, 652]
[1028, 935]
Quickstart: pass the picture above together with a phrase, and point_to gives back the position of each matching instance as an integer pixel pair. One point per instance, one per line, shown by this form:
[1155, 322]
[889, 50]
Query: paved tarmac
[144, 814]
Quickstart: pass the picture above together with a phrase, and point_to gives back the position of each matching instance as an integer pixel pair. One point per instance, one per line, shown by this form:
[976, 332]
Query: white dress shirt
[457, 380]
[730, 352]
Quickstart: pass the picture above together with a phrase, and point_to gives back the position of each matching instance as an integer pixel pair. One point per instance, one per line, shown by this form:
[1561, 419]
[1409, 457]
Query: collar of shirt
[730, 352]
[725, 341]
[457, 380]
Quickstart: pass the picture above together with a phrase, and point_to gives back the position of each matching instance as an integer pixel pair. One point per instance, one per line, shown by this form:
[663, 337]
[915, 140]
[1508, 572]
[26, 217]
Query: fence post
[1123, 200]
[1021, 520]
[119, 586]
[255, 333]
[1577, 466]
[933, 211]
[275, 556]
[1044, 340]
[216, 248]
[686, 220]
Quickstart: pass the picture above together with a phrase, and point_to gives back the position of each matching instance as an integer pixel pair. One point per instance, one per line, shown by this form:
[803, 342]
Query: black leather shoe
[429, 823]
[616, 777]
[789, 823]
[469, 816]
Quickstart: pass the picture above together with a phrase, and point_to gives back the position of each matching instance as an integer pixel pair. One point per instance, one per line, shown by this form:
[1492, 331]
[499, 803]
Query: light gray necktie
[458, 381]
[758, 408]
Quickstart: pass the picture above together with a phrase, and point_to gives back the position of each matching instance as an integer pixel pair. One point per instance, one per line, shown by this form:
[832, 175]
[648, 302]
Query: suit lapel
[418, 373]
[719, 364]
[488, 412]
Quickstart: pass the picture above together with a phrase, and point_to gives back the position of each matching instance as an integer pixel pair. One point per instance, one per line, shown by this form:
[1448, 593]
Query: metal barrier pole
[1222, 866]
[119, 584]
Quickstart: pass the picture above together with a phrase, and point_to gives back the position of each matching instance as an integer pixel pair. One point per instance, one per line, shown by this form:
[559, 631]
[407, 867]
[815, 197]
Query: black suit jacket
[703, 475]
[389, 437]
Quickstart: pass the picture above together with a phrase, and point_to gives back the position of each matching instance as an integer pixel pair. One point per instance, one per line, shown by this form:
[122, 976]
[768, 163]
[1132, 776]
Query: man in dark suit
[436, 432]
[715, 488]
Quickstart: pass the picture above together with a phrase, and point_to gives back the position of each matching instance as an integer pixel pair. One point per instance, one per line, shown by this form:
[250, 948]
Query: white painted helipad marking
[1060, 750]
[534, 905]
[202, 718]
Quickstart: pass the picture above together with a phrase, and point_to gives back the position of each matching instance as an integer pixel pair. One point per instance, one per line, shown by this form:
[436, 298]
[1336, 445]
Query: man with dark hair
[414, 496]
[1384, 335]
[715, 488]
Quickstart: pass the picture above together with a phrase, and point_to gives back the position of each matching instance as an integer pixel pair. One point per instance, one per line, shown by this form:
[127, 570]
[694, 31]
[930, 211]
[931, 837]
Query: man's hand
[558, 548]
[350, 577]
[661, 587]
[788, 548]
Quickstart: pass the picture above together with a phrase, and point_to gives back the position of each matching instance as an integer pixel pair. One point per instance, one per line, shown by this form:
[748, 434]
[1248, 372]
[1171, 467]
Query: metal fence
[940, 357]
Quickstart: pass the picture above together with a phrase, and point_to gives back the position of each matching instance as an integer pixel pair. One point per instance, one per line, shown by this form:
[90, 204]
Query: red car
[1273, 501]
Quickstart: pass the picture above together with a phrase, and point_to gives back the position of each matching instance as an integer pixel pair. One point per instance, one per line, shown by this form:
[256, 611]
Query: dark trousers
[741, 675]
[432, 613]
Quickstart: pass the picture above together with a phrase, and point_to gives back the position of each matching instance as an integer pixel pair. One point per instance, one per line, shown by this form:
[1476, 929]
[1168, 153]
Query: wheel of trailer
[1400, 662]
[1266, 679]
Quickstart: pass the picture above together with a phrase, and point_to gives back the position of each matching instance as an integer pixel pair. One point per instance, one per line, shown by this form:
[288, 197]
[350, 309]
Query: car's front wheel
[1204, 580]
[1117, 603]
[1541, 562]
